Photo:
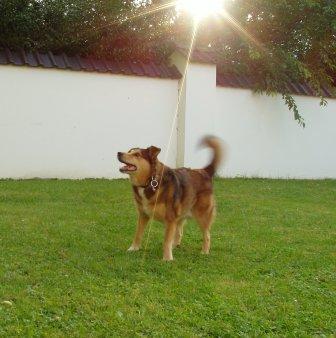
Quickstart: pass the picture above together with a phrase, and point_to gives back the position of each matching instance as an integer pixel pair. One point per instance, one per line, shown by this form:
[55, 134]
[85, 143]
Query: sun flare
[200, 9]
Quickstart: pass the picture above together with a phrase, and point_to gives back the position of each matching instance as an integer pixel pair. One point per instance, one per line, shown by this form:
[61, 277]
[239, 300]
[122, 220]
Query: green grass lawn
[65, 269]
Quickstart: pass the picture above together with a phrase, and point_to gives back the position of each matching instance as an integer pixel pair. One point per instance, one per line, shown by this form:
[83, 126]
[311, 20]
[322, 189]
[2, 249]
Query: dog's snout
[119, 155]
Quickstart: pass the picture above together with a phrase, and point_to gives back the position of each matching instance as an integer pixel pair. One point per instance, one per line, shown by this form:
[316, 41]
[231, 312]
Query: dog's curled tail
[217, 147]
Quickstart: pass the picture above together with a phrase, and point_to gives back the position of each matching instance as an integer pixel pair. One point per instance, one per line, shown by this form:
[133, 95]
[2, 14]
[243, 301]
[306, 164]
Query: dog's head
[139, 162]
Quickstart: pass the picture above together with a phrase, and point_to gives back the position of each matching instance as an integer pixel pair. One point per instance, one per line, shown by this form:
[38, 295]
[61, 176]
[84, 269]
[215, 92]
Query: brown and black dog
[171, 195]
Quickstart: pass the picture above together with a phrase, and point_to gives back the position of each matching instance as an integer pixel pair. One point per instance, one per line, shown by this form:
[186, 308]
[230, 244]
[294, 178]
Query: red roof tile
[198, 55]
[79, 63]
[245, 82]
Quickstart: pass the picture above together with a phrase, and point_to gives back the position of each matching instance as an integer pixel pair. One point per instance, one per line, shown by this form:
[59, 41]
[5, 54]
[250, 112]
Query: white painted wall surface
[264, 140]
[198, 117]
[67, 124]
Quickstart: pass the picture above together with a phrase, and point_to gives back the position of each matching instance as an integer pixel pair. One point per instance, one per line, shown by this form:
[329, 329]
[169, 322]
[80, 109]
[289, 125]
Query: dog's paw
[133, 248]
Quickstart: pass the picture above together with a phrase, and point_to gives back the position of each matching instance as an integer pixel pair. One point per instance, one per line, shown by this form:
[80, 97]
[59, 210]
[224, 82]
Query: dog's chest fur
[147, 203]
[144, 201]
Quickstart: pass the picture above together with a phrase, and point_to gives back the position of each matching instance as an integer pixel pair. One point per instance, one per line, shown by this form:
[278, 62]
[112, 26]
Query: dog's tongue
[129, 167]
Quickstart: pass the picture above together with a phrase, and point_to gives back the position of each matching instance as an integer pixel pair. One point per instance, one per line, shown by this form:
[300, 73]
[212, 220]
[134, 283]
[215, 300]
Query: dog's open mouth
[128, 167]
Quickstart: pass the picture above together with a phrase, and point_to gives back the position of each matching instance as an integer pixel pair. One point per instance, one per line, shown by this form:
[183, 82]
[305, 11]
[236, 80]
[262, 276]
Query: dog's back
[185, 187]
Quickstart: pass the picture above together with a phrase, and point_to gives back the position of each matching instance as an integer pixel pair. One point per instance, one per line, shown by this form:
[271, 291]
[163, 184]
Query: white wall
[69, 124]
[261, 136]
[197, 111]
[200, 111]
[264, 140]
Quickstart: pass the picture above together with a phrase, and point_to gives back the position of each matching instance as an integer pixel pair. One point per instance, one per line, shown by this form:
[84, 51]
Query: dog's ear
[153, 152]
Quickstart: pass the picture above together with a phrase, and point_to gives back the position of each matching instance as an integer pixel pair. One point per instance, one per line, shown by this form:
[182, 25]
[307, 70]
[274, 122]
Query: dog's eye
[137, 155]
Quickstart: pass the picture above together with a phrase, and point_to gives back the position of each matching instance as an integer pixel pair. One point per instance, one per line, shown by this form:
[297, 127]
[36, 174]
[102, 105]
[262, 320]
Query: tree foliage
[272, 41]
[293, 41]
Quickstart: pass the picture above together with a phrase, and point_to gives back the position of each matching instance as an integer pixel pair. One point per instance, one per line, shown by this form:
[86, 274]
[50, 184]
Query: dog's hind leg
[206, 239]
[205, 224]
[178, 233]
[142, 222]
[204, 212]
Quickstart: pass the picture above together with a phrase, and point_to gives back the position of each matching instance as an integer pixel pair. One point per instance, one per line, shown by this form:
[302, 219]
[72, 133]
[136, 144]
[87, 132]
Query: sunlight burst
[200, 9]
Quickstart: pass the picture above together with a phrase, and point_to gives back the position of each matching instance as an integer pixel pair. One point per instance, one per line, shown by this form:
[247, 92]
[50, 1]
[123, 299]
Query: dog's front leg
[142, 222]
[168, 241]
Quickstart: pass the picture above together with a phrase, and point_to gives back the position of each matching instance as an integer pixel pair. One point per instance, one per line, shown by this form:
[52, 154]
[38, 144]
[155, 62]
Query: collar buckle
[154, 183]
